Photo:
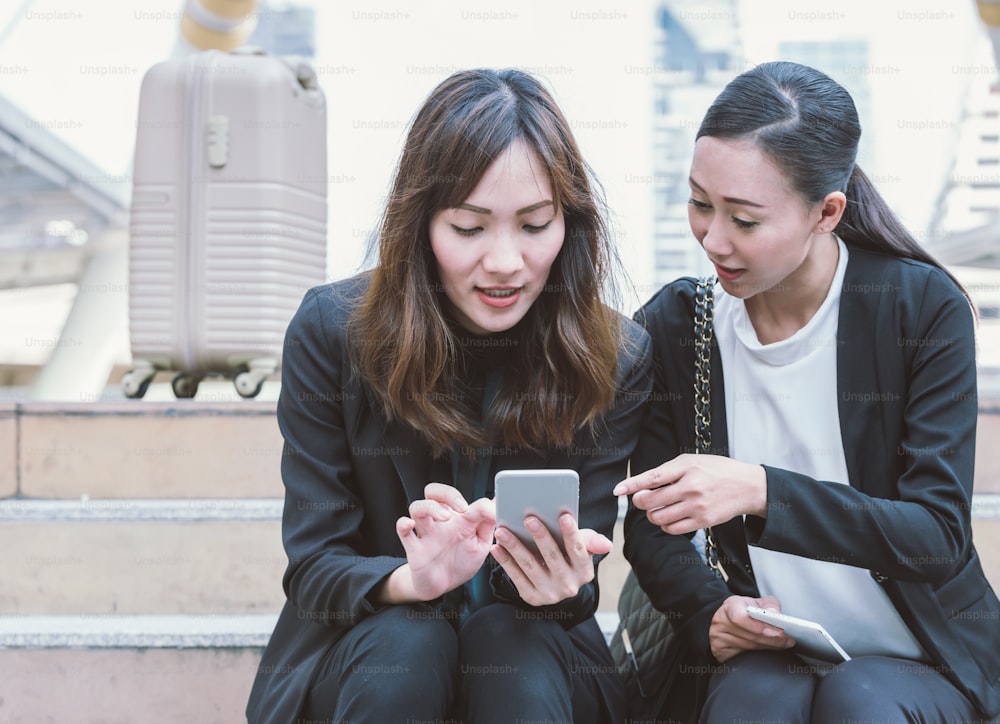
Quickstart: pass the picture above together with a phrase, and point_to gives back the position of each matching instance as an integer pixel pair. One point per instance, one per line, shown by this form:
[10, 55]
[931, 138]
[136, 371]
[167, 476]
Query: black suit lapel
[402, 445]
[858, 381]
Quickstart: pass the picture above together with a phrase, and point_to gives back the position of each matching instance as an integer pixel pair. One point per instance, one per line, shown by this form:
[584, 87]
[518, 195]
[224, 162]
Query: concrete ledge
[154, 631]
[986, 506]
[8, 450]
[986, 536]
[80, 669]
[188, 510]
[161, 566]
[988, 452]
[138, 631]
[123, 686]
[194, 449]
[138, 449]
[207, 556]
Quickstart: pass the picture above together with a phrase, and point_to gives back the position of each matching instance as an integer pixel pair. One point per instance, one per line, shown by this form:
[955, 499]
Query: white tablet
[810, 637]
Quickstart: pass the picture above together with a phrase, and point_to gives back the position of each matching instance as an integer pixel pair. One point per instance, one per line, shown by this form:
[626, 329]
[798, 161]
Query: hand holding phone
[545, 494]
[810, 637]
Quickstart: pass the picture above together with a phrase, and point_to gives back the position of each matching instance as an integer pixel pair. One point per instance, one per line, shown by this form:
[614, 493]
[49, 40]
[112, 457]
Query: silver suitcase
[228, 220]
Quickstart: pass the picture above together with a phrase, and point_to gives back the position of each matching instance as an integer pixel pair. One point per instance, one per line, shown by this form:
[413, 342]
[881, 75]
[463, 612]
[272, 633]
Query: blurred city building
[61, 215]
[697, 52]
[61, 245]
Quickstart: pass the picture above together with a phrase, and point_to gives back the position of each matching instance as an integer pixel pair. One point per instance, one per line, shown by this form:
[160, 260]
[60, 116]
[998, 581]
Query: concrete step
[206, 556]
[157, 669]
[117, 665]
[154, 669]
[140, 449]
[144, 539]
[141, 556]
[192, 449]
[125, 631]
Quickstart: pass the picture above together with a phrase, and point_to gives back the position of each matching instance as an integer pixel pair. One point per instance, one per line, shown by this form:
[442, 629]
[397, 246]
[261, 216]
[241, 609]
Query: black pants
[406, 664]
[764, 686]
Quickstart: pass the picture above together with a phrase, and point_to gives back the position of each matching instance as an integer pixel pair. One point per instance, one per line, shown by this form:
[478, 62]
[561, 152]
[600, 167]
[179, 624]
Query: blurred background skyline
[633, 81]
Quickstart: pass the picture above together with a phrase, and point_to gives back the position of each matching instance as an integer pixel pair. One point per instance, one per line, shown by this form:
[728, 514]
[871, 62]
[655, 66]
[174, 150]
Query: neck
[780, 312]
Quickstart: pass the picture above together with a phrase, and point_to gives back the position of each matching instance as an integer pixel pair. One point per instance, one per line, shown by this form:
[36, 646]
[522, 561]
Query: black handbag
[651, 652]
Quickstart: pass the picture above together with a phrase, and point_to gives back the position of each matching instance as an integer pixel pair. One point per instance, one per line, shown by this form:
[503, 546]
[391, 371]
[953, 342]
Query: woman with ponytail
[843, 423]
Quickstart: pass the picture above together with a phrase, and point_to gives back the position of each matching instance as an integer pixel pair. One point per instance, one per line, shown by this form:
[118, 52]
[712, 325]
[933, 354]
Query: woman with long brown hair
[483, 339]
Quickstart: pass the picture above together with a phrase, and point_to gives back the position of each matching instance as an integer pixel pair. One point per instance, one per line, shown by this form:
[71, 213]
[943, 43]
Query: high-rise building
[697, 53]
[966, 225]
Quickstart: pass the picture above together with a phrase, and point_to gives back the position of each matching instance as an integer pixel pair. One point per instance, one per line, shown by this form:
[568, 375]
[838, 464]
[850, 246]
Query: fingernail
[619, 489]
[532, 524]
[502, 534]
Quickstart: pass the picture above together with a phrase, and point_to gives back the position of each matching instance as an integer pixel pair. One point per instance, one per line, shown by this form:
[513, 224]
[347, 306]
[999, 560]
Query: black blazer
[349, 475]
[906, 379]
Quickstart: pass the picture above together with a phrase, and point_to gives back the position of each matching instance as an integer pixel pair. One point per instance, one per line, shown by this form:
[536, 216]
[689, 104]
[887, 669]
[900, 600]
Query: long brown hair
[565, 356]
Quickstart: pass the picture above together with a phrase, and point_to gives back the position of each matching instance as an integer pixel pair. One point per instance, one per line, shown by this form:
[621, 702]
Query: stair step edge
[159, 631]
[140, 509]
[114, 631]
[985, 506]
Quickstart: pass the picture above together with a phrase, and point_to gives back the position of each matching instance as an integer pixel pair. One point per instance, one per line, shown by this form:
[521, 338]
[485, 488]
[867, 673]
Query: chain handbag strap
[703, 330]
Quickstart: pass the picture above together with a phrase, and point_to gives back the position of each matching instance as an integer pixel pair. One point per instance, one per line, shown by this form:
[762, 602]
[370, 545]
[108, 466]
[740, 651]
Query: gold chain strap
[703, 330]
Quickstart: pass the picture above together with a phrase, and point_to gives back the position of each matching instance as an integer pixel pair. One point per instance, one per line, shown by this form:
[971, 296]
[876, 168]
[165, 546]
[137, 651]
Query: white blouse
[781, 410]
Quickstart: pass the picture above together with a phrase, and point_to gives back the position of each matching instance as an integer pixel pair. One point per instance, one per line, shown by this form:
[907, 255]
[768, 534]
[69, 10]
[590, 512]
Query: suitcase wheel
[185, 386]
[135, 382]
[250, 379]
[249, 383]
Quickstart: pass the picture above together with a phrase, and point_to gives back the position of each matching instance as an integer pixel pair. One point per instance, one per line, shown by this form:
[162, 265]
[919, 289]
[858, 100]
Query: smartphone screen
[546, 494]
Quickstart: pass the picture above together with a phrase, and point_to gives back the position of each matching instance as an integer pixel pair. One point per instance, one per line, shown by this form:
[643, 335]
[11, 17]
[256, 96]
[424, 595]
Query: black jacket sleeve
[327, 578]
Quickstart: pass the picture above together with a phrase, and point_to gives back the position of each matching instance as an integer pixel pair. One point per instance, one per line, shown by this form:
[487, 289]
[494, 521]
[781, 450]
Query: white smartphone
[546, 494]
[810, 637]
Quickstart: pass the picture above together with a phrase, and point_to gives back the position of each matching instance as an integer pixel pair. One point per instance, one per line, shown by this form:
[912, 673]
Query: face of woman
[757, 231]
[494, 251]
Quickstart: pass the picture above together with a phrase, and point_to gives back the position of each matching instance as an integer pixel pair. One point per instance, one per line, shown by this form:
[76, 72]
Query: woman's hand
[446, 541]
[551, 575]
[732, 631]
[692, 492]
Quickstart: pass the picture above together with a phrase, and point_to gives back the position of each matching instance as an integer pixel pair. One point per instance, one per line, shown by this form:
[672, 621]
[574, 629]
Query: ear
[831, 209]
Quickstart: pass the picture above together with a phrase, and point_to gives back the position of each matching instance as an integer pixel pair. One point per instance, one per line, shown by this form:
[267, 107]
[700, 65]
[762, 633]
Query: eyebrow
[730, 199]
[525, 210]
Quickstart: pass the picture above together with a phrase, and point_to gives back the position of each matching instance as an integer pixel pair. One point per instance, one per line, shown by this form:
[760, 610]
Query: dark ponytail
[807, 125]
[869, 223]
